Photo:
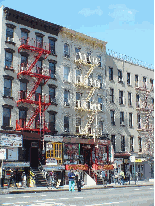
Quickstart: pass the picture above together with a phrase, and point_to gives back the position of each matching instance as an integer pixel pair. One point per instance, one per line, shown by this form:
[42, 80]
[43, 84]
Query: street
[112, 196]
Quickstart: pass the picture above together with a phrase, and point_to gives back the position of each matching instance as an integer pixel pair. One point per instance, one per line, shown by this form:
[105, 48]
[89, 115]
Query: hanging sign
[11, 140]
[51, 138]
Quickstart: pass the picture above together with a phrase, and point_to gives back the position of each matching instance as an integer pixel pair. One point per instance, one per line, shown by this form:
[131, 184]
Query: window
[152, 84]
[110, 73]
[139, 121]
[38, 92]
[113, 142]
[6, 117]
[52, 69]
[78, 75]
[120, 97]
[77, 53]
[10, 32]
[129, 99]
[137, 101]
[136, 81]
[78, 99]
[54, 150]
[131, 144]
[89, 57]
[78, 125]
[123, 143]
[66, 73]
[52, 122]
[24, 37]
[7, 87]
[24, 61]
[66, 124]
[140, 144]
[39, 41]
[121, 118]
[23, 90]
[152, 101]
[52, 46]
[52, 94]
[99, 61]
[111, 95]
[66, 97]
[100, 101]
[8, 59]
[120, 79]
[144, 82]
[130, 120]
[66, 50]
[37, 122]
[22, 118]
[39, 67]
[112, 113]
[100, 79]
[128, 78]
[100, 127]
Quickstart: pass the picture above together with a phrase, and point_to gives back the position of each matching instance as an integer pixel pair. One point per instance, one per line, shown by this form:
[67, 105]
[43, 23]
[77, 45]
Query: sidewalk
[66, 187]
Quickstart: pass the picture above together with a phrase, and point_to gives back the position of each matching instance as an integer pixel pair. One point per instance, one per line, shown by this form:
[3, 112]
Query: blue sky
[127, 26]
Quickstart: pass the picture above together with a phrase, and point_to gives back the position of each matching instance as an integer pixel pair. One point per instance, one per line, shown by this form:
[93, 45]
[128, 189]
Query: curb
[6, 191]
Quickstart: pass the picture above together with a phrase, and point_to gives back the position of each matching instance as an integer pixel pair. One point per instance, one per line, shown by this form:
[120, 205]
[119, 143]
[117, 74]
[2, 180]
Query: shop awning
[16, 164]
[122, 154]
[49, 168]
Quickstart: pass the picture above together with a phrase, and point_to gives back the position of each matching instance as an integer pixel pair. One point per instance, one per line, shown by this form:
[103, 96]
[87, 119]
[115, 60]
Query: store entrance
[86, 151]
[34, 157]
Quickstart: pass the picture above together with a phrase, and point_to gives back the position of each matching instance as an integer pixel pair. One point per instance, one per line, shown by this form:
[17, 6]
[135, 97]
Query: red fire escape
[36, 50]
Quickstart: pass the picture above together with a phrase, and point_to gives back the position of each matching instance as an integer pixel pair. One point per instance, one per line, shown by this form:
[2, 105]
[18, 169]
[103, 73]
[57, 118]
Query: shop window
[136, 81]
[8, 59]
[66, 97]
[7, 87]
[66, 74]
[130, 120]
[24, 37]
[129, 99]
[131, 144]
[112, 114]
[111, 95]
[128, 79]
[120, 78]
[110, 73]
[120, 97]
[66, 124]
[52, 69]
[54, 150]
[6, 117]
[122, 118]
[123, 143]
[66, 50]
[113, 142]
[52, 95]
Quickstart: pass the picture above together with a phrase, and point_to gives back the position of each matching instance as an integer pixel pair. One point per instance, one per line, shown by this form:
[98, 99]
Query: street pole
[135, 172]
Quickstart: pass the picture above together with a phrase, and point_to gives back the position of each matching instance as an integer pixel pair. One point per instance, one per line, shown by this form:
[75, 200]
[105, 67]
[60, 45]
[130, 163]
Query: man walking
[71, 177]
[78, 180]
[103, 176]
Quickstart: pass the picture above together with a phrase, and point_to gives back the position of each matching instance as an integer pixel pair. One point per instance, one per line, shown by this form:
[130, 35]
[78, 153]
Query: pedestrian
[106, 178]
[103, 176]
[122, 177]
[23, 179]
[78, 180]
[71, 177]
[128, 176]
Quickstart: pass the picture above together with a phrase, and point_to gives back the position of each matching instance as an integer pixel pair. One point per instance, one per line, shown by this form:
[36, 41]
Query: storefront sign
[16, 164]
[104, 141]
[132, 158]
[2, 154]
[53, 168]
[51, 161]
[75, 167]
[53, 138]
[101, 167]
[138, 160]
[11, 140]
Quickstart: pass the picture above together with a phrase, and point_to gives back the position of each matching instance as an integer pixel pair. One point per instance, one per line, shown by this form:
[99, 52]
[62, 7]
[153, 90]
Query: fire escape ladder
[90, 94]
[33, 117]
[34, 88]
[89, 72]
[35, 61]
[90, 121]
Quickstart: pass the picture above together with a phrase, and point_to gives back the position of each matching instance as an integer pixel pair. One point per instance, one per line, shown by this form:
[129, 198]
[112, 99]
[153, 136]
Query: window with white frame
[6, 116]
[100, 79]
[52, 69]
[121, 118]
[66, 124]
[140, 144]
[78, 75]
[120, 97]
[129, 99]
[120, 78]
[123, 143]
[130, 120]
[139, 121]
[111, 95]
[136, 81]
[128, 79]
[66, 97]
[112, 115]
[52, 95]
[66, 74]
[131, 144]
[78, 125]
[66, 50]
[78, 99]
[7, 87]
[8, 59]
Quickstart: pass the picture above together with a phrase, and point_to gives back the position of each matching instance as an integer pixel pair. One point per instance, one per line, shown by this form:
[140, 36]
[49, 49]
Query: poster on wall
[71, 153]
[13, 154]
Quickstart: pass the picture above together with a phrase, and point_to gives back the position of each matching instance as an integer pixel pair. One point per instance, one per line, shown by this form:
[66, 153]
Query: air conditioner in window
[66, 104]
[122, 124]
[120, 80]
[66, 129]
[12, 39]
[9, 39]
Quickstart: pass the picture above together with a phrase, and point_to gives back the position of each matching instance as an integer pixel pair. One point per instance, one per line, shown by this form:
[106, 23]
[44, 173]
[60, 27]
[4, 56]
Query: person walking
[78, 180]
[103, 176]
[71, 177]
